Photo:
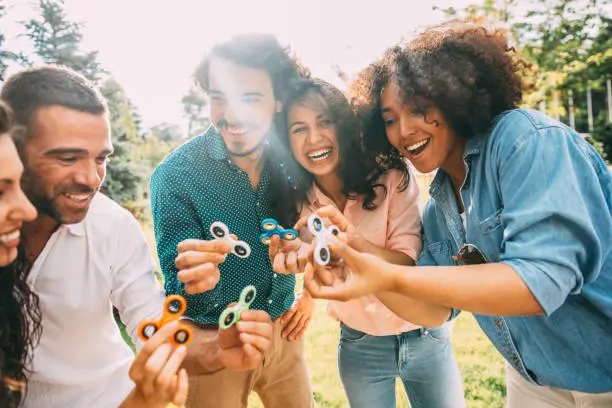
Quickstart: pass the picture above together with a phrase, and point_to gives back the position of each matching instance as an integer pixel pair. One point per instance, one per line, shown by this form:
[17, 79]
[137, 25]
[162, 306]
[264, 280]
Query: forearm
[490, 289]
[361, 244]
[415, 311]
[203, 352]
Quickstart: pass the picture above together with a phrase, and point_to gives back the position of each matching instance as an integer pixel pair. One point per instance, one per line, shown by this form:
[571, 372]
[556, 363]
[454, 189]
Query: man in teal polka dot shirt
[234, 173]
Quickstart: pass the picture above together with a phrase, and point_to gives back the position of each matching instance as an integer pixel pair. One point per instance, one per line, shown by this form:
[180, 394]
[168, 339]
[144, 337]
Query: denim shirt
[537, 198]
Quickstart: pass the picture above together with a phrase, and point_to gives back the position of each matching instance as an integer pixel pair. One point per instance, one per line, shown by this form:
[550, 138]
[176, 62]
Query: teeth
[417, 145]
[78, 197]
[319, 155]
[9, 237]
[235, 130]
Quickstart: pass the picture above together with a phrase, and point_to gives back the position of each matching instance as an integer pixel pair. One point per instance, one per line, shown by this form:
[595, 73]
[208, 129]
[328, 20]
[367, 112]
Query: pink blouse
[395, 224]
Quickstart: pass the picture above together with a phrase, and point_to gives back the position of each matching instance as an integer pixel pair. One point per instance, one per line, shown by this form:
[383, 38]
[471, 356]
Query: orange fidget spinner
[174, 307]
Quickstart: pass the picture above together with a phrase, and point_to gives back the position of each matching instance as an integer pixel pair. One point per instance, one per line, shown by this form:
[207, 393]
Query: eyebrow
[68, 150]
[385, 110]
[6, 181]
[252, 93]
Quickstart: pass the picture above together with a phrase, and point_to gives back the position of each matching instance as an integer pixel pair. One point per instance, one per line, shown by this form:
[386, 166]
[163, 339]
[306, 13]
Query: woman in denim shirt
[518, 229]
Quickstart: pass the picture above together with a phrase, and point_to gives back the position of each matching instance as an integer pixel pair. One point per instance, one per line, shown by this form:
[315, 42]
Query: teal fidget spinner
[231, 315]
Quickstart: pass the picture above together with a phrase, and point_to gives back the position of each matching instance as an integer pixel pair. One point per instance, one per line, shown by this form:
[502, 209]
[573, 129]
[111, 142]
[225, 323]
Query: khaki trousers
[523, 394]
[281, 380]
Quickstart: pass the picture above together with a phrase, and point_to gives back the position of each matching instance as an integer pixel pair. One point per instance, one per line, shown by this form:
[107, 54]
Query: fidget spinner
[271, 227]
[174, 307]
[322, 255]
[231, 315]
[220, 231]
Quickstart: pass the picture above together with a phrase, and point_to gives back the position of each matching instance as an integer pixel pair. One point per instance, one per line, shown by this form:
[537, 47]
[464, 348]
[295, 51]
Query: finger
[341, 250]
[334, 215]
[162, 336]
[279, 263]
[300, 328]
[291, 263]
[251, 315]
[199, 245]
[261, 344]
[234, 237]
[301, 223]
[153, 367]
[182, 390]
[165, 381]
[189, 259]
[208, 284]
[320, 291]
[198, 273]
[274, 246]
[253, 355]
[288, 314]
[291, 325]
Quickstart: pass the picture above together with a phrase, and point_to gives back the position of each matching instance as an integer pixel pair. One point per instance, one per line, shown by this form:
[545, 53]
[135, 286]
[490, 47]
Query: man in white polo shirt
[87, 254]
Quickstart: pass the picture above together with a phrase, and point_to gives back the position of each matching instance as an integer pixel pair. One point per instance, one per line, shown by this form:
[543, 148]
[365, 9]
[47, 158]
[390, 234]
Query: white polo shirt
[85, 269]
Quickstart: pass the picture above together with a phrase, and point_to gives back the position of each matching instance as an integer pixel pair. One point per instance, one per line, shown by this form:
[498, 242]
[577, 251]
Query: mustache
[224, 123]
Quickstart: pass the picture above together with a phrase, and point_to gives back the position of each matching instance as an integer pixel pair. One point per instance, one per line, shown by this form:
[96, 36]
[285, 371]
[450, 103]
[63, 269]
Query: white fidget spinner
[322, 255]
[220, 231]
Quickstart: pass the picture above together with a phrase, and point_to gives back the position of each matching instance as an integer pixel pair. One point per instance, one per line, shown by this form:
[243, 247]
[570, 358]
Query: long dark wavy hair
[20, 318]
[469, 72]
[359, 169]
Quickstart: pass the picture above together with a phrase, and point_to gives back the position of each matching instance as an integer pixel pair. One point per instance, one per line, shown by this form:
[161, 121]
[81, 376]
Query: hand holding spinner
[220, 231]
[174, 307]
[271, 227]
[232, 314]
[322, 255]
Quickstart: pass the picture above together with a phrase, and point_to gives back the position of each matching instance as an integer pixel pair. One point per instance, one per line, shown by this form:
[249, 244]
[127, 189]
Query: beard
[49, 203]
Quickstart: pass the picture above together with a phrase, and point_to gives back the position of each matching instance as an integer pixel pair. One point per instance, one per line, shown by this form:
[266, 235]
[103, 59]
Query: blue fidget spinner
[271, 227]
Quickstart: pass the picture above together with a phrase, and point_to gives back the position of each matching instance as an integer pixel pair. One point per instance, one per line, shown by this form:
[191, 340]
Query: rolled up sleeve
[404, 229]
[549, 189]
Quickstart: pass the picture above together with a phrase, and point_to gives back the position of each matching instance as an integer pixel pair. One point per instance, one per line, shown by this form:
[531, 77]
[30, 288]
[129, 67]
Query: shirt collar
[473, 146]
[215, 144]
[77, 229]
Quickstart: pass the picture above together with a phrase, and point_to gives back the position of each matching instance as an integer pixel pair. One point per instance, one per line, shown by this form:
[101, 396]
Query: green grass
[482, 368]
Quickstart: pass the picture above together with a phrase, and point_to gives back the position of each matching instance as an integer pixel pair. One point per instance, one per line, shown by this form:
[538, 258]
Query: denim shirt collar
[473, 147]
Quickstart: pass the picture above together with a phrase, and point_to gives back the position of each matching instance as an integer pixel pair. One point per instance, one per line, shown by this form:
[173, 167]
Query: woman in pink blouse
[373, 200]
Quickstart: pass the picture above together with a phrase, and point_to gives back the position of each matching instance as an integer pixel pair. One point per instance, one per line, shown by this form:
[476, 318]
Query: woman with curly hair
[374, 203]
[19, 312]
[518, 229]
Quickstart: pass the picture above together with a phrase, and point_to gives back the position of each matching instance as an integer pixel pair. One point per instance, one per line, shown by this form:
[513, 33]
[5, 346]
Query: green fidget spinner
[231, 315]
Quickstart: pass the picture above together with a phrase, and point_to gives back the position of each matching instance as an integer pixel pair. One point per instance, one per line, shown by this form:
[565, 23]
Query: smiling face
[65, 155]
[418, 131]
[313, 138]
[242, 104]
[15, 209]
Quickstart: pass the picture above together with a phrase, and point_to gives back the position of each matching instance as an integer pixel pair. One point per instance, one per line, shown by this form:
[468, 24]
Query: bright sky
[153, 46]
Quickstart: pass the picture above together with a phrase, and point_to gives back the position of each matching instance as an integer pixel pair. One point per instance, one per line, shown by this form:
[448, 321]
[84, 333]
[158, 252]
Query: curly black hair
[465, 70]
[358, 169]
[20, 318]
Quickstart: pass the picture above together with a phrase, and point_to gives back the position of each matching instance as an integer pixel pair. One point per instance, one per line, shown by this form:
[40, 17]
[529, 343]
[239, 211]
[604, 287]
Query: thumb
[343, 250]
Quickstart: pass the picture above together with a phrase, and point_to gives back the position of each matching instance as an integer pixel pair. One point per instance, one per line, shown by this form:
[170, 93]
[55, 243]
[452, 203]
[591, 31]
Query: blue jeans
[423, 359]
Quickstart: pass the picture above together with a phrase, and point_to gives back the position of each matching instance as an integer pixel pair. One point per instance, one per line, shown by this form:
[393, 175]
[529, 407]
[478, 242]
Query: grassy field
[481, 366]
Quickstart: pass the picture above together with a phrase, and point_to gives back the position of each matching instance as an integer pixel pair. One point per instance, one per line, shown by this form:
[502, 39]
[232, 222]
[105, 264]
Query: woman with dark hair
[374, 204]
[19, 312]
[518, 229]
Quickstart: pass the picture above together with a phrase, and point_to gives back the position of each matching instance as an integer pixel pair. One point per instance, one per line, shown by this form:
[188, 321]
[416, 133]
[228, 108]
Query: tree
[194, 104]
[56, 40]
[126, 175]
[166, 132]
[7, 56]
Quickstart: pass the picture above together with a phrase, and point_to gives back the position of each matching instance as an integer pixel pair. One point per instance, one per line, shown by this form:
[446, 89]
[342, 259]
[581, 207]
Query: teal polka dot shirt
[193, 187]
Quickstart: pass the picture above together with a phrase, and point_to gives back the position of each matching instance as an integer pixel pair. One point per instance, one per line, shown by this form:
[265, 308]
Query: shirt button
[499, 323]
[515, 360]
[270, 301]
[275, 275]
[216, 305]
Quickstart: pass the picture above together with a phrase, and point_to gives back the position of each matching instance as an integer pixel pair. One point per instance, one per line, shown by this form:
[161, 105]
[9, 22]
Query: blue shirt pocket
[441, 252]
